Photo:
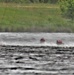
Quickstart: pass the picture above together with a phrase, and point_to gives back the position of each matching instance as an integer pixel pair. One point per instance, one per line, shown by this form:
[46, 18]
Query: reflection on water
[36, 61]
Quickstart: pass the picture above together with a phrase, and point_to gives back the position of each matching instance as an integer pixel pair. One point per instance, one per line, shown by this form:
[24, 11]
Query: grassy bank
[33, 17]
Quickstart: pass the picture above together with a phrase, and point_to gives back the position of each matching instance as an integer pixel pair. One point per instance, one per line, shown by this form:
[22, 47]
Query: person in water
[59, 42]
[42, 40]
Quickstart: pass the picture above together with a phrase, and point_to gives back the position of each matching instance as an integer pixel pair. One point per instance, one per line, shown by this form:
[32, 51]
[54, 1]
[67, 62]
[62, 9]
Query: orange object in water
[42, 40]
[59, 42]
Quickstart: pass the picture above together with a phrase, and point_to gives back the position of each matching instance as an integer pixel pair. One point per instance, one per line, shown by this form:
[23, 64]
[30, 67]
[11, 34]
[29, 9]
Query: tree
[53, 1]
[67, 8]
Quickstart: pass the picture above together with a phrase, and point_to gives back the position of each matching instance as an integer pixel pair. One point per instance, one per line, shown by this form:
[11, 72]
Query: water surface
[22, 60]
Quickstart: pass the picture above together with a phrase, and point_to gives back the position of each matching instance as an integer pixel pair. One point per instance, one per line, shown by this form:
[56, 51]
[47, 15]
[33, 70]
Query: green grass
[33, 18]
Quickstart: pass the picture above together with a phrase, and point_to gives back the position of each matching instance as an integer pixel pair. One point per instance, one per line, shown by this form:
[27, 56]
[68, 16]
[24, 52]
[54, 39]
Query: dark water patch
[16, 68]
[29, 68]
[39, 55]
[20, 62]
[13, 68]
[33, 58]
[64, 69]
[19, 57]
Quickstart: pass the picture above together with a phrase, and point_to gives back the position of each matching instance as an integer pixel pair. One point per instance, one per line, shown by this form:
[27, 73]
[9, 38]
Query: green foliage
[67, 8]
[30, 1]
[44, 17]
[53, 1]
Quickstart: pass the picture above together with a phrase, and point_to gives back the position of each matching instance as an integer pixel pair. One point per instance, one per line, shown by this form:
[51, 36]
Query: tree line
[67, 8]
[30, 1]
